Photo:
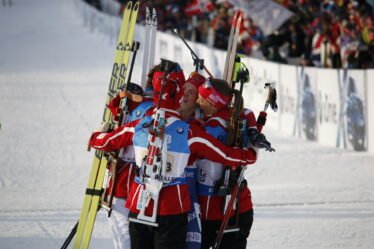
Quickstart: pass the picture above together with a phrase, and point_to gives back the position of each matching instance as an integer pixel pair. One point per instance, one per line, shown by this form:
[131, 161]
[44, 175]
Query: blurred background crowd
[320, 33]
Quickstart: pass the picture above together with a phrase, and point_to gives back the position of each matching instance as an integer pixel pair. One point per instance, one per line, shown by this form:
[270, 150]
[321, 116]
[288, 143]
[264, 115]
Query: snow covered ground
[54, 74]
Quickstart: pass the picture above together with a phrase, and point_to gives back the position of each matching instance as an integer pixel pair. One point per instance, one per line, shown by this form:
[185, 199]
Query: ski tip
[148, 17]
[136, 6]
[235, 15]
[129, 5]
[238, 15]
[154, 17]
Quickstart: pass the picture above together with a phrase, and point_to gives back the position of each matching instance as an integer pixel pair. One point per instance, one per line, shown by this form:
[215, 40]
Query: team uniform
[211, 202]
[193, 239]
[212, 191]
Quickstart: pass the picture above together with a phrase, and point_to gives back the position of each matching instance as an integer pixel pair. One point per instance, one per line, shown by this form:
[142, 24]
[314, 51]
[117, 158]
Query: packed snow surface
[54, 74]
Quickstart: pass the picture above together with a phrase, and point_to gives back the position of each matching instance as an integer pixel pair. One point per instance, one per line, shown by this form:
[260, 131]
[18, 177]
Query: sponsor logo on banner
[328, 109]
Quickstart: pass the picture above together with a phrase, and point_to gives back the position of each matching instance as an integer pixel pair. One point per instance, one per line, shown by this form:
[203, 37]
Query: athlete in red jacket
[214, 98]
[136, 107]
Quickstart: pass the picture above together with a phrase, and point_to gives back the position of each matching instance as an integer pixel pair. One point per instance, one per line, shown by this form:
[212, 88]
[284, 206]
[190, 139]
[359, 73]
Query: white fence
[331, 107]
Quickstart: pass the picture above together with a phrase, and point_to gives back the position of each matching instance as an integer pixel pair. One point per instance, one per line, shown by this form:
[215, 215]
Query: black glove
[259, 140]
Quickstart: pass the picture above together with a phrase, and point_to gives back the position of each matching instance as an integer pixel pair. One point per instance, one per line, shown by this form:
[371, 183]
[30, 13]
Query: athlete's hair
[222, 87]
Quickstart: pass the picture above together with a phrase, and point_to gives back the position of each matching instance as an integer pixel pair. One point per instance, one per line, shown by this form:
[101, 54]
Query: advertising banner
[328, 102]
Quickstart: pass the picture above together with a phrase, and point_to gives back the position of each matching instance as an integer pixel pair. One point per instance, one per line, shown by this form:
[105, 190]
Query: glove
[272, 98]
[259, 140]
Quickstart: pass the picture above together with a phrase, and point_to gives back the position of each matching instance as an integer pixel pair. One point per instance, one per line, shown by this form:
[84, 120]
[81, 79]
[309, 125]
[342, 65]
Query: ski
[152, 42]
[94, 187]
[148, 20]
[239, 74]
[114, 158]
[231, 50]
[149, 44]
[224, 76]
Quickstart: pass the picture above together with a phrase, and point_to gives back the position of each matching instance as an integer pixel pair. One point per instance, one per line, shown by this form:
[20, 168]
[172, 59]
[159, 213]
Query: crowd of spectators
[335, 34]
[326, 33]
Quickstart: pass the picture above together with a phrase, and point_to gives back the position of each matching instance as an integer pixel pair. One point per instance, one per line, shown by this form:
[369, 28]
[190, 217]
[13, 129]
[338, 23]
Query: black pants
[170, 233]
[237, 240]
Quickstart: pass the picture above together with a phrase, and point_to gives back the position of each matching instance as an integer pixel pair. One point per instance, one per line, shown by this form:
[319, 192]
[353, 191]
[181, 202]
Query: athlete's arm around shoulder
[206, 146]
[114, 140]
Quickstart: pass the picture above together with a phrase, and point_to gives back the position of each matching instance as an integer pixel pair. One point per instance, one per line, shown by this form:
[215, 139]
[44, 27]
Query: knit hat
[211, 95]
[196, 79]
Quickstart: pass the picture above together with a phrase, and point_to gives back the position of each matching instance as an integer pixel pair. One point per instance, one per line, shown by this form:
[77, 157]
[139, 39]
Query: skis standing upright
[231, 49]
[95, 182]
[114, 157]
[149, 44]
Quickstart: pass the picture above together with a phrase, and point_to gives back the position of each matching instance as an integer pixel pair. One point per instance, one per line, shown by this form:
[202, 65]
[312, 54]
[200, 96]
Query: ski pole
[70, 237]
[270, 100]
[236, 141]
[229, 209]
[199, 63]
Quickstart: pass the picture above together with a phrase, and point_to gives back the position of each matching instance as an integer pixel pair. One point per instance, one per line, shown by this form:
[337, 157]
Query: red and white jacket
[174, 199]
[212, 205]
[126, 172]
